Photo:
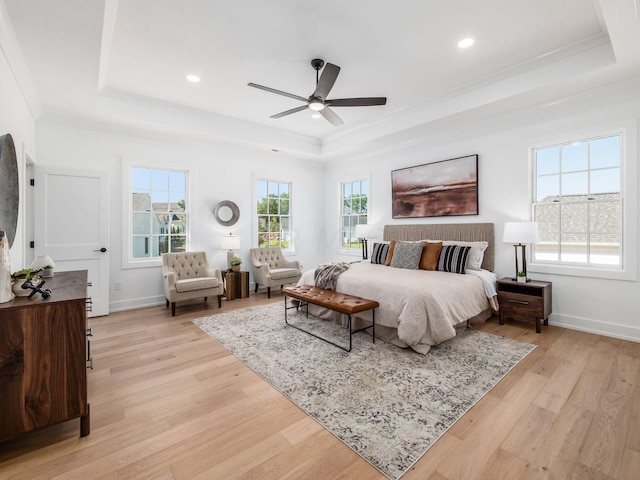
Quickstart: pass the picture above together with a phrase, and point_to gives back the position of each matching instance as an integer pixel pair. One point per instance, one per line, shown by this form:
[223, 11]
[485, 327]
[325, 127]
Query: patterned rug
[386, 403]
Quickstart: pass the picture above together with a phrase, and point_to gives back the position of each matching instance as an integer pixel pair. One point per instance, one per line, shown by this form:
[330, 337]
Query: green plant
[236, 261]
[24, 274]
[48, 267]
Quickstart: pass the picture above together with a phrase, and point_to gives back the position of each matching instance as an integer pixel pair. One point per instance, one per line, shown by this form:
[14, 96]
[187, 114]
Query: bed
[421, 308]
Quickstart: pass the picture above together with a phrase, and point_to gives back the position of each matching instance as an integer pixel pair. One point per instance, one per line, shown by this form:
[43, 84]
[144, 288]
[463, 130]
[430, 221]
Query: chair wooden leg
[268, 292]
[219, 301]
[173, 309]
[256, 287]
[167, 303]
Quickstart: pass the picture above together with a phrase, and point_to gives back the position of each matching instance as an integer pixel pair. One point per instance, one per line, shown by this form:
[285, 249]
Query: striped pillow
[453, 258]
[380, 252]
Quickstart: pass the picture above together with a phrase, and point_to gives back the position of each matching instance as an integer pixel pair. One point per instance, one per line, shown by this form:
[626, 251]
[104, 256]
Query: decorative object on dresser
[44, 263]
[43, 353]
[520, 233]
[529, 301]
[6, 294]
[230, 243]
[447, 187]
[237, 284]
[187, 275]
[271, 269]
[388, 404]
[363, 233]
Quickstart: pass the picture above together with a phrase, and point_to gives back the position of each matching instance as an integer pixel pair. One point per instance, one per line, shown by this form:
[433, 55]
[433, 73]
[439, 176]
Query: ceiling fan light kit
[318, 101]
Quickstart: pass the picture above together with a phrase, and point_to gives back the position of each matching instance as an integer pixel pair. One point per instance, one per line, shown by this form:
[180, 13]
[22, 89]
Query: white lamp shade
[520, 232]
[364, 230]
[230, 242]
[42, 261]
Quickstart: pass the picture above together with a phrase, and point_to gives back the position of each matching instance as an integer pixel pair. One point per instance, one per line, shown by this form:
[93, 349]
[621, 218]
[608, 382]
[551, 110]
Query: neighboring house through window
[354, 210]
[578, 202]
[274, 214]
[159, 212]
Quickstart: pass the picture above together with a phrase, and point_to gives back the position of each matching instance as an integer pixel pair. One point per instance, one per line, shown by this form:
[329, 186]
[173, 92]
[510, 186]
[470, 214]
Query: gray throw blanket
[326, 275]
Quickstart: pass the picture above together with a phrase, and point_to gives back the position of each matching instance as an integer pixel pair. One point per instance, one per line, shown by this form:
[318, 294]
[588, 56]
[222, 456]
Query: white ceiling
[122, 63]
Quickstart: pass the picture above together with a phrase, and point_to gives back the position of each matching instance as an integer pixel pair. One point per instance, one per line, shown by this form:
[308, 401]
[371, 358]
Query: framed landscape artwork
[447, 187]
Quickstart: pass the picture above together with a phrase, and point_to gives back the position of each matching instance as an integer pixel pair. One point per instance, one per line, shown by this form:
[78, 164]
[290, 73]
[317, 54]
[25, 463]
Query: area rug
[386, 403]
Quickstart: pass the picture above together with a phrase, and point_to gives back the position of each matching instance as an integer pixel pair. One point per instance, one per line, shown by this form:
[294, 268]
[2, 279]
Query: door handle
[101, 250]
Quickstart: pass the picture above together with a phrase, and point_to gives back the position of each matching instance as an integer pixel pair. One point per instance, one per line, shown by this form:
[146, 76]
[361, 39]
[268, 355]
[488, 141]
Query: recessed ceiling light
[465, 42]
[193, 78]
[315, 115]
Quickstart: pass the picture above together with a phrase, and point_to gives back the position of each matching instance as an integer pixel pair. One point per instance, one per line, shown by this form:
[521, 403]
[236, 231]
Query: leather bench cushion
[280, 273]
[190, 284]
[340, 302]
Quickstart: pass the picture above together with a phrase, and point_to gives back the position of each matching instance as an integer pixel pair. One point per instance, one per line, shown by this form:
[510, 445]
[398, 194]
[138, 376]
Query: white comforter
[424, 306]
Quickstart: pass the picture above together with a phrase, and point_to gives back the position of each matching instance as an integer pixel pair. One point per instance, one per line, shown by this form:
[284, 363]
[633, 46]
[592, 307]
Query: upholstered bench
[336, 301]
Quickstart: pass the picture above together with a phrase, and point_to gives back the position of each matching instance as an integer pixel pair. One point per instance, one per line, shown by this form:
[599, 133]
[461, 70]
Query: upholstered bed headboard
[464, 232]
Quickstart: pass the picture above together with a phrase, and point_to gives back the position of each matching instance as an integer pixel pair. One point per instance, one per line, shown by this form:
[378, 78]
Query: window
[158, 212]
[354, 210]
[274, 214]
[578, 202]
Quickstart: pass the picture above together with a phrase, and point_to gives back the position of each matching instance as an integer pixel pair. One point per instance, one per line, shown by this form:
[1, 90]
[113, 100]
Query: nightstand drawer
[517, 305]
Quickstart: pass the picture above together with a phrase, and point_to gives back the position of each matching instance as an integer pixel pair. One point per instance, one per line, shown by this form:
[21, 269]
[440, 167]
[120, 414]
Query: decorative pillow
[476, 255]
[407, 255]
[430, 255]
[453, 258]
[380, 253]
[392, 247]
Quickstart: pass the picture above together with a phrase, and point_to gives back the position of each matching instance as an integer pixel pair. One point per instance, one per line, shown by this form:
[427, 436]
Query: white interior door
[71, 226]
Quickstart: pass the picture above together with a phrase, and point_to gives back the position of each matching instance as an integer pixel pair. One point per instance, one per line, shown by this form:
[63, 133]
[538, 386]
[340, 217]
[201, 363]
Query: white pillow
[476, 254]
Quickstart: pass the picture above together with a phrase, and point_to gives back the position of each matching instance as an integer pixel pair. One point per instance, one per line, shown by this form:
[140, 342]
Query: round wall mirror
[9, 188]
[227, 213]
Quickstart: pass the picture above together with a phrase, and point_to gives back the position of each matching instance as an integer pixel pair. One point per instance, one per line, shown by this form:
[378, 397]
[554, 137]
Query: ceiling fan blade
[330, 115]
[357, 102]
[326, 81]
[279, 92]
[289, 112]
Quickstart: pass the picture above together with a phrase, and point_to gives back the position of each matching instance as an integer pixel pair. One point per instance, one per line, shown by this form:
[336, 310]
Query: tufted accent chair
[271, 269]
[188, 275]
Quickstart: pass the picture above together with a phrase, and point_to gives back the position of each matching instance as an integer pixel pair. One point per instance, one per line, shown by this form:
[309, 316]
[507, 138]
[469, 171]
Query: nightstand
[529, 301]
[237, 284]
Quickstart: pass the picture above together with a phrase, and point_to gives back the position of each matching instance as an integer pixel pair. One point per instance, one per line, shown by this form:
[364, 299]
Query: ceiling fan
[318, 100]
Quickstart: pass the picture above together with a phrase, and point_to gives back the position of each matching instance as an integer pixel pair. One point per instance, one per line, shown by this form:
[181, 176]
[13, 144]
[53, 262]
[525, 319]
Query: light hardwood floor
[167, 402]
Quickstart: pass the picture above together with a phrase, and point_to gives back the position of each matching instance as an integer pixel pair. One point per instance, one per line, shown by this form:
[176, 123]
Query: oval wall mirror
[9, 188]
[227, 213]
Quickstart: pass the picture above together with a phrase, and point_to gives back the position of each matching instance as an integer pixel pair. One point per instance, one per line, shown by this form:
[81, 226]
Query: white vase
[522, 279]
[18, 290]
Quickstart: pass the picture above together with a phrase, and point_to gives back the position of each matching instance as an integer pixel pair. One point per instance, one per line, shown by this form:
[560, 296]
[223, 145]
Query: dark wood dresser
[43, 357]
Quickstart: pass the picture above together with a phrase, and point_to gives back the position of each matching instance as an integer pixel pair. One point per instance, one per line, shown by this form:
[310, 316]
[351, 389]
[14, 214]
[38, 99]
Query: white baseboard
[134, 303]
[598, 327]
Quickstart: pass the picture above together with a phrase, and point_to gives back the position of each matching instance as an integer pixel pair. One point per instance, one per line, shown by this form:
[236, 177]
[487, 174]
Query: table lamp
[230, 243]
[519, 234]
[363, 231]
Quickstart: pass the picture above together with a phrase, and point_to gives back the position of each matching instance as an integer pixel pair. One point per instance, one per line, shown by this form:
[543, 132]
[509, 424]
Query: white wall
[217, 173]
[610, 307]
[16, 119]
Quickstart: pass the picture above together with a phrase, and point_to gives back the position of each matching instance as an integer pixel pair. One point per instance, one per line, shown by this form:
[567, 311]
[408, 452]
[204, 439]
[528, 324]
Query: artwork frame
[443, 188]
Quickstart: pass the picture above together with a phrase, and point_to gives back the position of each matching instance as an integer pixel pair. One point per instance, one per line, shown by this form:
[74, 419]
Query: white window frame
[127, 261]
[256, 227]
[629, 166]
[356, 251]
